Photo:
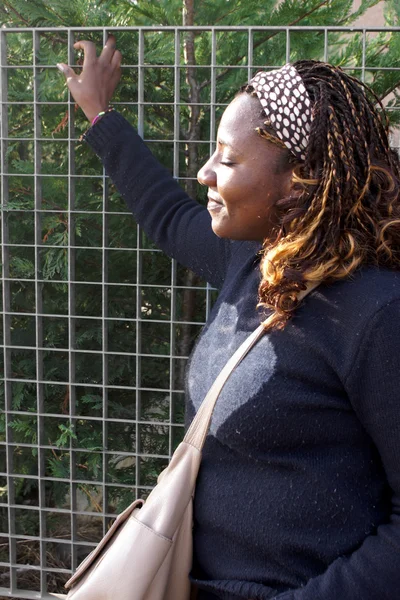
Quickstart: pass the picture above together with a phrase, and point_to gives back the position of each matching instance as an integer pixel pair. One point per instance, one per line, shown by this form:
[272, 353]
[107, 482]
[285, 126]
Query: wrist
[93, 112]
[95, 119]
[100, 115]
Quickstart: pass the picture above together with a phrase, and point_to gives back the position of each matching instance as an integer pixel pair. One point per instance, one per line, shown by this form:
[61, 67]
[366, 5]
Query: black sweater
[298, 495]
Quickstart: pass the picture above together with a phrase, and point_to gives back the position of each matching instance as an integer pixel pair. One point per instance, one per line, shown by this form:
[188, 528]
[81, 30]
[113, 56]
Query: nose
[206, 176]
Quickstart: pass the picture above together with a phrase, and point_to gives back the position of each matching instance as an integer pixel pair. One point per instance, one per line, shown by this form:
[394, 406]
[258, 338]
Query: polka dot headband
[287, 105]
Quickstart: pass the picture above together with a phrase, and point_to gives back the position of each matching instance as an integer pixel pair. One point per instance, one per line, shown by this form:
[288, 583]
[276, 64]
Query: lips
[214, 205]
[213, 202]
[212, 198]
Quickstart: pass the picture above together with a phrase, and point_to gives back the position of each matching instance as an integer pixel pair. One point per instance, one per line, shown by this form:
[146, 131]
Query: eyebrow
[223, 142]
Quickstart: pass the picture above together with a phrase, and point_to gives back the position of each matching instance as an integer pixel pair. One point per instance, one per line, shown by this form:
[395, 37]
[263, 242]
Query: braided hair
[343, 210]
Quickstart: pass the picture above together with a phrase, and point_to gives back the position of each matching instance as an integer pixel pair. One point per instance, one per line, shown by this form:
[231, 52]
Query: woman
[298, 496]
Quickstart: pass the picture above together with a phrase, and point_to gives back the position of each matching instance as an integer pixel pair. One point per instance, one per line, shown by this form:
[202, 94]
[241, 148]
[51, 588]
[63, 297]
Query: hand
[94, 87]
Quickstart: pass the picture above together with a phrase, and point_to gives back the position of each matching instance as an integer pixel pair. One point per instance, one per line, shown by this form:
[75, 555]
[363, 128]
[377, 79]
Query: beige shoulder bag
[147, 553]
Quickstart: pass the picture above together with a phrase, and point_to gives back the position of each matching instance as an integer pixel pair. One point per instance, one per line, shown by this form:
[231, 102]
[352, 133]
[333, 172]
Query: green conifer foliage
[137, 436]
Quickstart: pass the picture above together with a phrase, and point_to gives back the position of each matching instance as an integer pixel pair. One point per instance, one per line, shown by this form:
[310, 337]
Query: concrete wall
[373, 16]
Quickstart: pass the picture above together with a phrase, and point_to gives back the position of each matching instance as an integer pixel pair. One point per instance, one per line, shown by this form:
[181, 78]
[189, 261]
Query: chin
[229, 235]
[238, 236]
[220, 231]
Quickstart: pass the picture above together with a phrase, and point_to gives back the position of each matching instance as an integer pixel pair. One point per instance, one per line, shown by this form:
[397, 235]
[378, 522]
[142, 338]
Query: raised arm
[177, 224]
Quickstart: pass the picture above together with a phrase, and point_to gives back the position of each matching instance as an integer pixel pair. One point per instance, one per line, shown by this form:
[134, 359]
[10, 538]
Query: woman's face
[245, 176]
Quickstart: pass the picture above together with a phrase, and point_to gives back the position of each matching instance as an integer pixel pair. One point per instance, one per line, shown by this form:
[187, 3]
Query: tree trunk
[191, 153]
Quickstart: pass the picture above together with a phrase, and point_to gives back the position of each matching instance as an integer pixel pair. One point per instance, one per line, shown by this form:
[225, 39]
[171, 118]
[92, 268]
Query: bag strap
[197, 432]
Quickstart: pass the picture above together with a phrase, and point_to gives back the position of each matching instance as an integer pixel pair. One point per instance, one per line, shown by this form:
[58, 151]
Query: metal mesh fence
[97, 324]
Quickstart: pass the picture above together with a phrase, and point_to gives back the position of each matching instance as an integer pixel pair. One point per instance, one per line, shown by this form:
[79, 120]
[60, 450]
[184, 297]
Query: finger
[66, 71]
[116, 59]
[89, 51]
[108, 50]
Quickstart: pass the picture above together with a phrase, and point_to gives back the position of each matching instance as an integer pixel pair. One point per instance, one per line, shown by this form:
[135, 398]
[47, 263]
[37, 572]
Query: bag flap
[87, 563]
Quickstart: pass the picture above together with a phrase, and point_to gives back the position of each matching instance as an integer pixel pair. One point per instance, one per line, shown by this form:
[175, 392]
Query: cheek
[228, 180]
[262, 198]
[263, 183]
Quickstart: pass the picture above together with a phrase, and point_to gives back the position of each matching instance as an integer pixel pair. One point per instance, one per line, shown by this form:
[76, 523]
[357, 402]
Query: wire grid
[134, 420]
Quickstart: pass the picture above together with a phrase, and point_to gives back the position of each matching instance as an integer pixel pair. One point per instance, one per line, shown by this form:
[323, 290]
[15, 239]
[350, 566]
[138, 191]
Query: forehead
[241, 117]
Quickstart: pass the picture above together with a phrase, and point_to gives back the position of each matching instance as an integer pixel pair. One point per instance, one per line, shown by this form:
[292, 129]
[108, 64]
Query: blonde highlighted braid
[343, 210]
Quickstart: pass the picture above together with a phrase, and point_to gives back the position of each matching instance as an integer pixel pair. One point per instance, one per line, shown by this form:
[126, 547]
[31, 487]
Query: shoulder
[362, 295]
[340, 319]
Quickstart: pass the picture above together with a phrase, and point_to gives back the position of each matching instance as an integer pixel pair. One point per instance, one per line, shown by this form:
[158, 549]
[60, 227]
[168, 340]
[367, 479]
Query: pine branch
[51, 10]
[265, 39]
[230, 12]
[310, 12]
[10, 7]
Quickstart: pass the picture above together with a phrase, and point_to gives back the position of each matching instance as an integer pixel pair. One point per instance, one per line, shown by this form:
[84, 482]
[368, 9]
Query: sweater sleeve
[178, 225]
[373, 386]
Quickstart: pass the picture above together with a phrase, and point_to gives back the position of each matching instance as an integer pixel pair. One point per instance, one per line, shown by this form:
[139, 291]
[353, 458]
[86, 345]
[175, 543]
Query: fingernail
[60, 67]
